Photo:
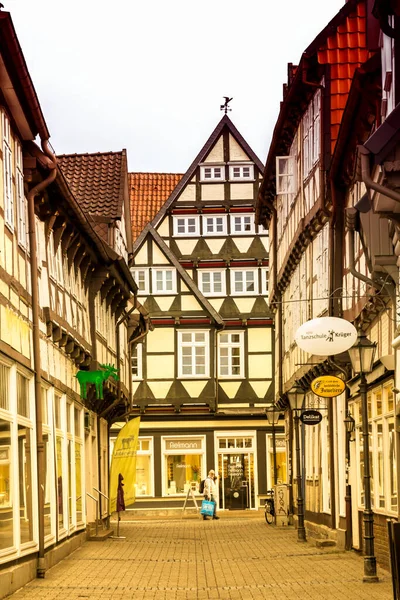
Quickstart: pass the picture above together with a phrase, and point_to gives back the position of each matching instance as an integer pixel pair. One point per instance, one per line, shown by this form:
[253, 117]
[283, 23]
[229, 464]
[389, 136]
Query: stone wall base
[16, 576]
[318, 533]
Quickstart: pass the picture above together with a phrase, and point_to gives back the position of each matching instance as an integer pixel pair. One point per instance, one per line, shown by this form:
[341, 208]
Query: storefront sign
[326, 336]
[328, 386]
[182, 444]
[311, 417]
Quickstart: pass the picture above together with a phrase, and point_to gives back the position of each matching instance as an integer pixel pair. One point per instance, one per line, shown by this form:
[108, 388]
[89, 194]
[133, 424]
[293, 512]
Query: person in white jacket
[210, 492]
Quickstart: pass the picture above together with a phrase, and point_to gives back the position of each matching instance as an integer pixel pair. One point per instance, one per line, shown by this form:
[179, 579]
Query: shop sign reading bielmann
[326, 336]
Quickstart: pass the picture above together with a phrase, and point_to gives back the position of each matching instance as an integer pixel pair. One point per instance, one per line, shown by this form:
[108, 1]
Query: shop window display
[183, 472]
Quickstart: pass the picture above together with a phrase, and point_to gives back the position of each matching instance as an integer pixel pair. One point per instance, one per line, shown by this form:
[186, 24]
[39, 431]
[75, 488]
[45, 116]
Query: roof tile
[148, 192]
[96, 180]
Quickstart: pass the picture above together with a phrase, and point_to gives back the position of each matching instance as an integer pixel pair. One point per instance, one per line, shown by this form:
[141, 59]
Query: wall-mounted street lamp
[296, 397]
[350, 426]
[273, 418]
[362, 356]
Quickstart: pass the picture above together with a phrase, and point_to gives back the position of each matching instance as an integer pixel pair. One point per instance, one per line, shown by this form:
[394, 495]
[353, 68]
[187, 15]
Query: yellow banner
[124, 463]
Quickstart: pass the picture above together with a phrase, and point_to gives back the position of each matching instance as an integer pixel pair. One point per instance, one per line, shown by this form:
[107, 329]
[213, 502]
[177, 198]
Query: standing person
[210, 492]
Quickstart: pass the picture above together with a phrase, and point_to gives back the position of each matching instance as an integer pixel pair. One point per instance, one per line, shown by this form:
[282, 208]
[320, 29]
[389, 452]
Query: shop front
[236, 468]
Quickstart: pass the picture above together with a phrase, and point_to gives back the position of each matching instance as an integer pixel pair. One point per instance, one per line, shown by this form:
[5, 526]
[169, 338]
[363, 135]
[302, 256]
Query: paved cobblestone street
[187, 559]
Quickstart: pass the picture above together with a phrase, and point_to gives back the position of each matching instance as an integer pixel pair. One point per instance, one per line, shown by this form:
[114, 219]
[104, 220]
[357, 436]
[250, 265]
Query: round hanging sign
[311, 417]
[328, 386]
[326, 336]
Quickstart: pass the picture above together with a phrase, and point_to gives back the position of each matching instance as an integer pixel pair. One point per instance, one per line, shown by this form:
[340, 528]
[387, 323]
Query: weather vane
[225, 106]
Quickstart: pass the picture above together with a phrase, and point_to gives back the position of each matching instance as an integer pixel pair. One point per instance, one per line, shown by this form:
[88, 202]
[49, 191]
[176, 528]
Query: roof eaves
[9, 36]
[385, 136]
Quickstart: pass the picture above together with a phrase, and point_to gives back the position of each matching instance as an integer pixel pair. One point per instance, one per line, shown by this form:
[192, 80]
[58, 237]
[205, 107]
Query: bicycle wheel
[268, 515]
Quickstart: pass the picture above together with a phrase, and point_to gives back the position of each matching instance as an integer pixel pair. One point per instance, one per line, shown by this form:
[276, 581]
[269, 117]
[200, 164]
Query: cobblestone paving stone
[189, 559]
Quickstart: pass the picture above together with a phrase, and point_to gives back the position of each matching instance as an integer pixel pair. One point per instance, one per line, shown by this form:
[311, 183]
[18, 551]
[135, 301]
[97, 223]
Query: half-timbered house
[202, 379]
[330, 256]
[65, 288]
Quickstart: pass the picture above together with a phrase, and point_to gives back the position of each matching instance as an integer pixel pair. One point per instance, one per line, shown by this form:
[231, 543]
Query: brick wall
[381, 541]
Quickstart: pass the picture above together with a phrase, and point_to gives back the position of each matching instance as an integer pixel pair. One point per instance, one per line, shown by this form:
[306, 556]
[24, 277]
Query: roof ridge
[99, 153]
[154, 173]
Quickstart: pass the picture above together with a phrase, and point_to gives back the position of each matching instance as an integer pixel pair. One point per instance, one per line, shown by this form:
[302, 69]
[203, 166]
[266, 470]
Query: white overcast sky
[149, 75]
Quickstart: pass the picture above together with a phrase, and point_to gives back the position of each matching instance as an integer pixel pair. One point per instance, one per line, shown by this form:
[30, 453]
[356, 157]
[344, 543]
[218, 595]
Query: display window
[144, 468]
[281, 460]
[183, 464]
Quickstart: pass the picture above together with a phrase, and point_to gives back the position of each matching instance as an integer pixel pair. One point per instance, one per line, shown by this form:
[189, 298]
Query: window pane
[186, 337]
[6, 499]
[60, 487]
[48, 483]
[200, 337]
[78, 481]
[4, 387]
[235, 338]
[143, 475]
[22, 396]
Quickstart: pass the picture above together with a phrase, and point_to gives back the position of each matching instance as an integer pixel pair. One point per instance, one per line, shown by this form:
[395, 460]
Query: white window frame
[230, 345]
[285, 175]
[164, 289]
[212, 220]
[237, 172]
[244, 292]
[138, 350]
[194, 344]
[264, 281]
[137, 279]
[311, 125]
[210, 172]
[21, 200]
[186, 225]
[242, 230]
[212, 273]
[7, 173]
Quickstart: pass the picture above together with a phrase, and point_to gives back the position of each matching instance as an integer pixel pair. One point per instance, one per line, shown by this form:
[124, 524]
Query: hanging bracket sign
[328, 386]
[326, 336]
[311, 417]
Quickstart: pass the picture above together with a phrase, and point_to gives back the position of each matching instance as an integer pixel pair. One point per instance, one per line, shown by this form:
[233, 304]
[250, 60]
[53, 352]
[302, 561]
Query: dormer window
[241, 172]
[215, 173]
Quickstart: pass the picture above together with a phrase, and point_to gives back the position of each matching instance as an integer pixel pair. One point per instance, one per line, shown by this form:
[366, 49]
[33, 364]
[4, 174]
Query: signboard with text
[328, 386]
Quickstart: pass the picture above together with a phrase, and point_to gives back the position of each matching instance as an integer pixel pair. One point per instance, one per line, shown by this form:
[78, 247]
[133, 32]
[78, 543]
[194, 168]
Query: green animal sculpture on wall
[96, 377]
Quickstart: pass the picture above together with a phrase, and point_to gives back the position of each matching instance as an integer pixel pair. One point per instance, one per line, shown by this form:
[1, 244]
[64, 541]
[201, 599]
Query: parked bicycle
[270, 507]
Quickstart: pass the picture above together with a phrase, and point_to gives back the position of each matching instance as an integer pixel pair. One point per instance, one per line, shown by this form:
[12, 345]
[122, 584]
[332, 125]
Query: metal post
[347, 499]
[370, 575]
[301, 531]
[274, 453]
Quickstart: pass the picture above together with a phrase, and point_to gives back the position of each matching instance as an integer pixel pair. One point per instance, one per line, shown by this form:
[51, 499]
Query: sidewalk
[234, 558]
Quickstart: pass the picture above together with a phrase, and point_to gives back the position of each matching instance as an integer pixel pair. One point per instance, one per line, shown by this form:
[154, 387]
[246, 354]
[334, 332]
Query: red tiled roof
[96, 180]
[148, 192]
[345, 50]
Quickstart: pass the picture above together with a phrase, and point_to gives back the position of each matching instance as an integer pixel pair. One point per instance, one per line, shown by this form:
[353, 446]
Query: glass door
[236, 484]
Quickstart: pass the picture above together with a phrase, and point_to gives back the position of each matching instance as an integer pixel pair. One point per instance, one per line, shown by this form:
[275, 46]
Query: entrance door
[236, 485]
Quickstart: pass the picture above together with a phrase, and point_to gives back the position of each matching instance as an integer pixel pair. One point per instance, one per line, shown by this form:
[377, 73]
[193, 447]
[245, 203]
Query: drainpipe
[351, 227]
[40, 570]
